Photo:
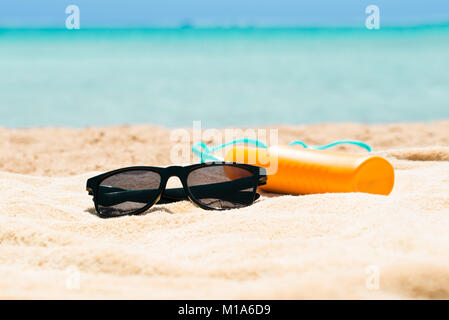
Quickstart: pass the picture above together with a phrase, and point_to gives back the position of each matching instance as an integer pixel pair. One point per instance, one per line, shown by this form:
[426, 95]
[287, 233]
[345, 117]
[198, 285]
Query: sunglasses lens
[127, 192]
[222, 187]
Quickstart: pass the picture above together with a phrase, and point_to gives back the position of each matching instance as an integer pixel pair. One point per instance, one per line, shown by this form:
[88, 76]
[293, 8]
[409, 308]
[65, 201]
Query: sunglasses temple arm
[224, 190]
[112, 196]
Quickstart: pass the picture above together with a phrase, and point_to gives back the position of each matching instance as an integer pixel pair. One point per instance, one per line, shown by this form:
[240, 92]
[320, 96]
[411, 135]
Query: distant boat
[186, 25]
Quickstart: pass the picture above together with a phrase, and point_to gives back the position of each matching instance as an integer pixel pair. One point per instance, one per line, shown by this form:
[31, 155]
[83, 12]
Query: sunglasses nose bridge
[175, 171]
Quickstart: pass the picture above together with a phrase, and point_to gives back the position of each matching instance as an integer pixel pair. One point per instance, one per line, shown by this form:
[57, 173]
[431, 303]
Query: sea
[222, 76]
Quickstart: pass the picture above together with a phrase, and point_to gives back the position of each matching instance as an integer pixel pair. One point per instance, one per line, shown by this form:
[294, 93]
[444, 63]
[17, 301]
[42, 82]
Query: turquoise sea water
[223, 77]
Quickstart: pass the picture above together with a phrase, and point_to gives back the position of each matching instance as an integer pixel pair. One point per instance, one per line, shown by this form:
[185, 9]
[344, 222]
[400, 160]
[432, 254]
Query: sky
[150, 13]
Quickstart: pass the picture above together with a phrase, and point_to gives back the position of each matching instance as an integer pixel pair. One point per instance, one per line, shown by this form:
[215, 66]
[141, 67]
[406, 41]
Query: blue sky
[141, 13]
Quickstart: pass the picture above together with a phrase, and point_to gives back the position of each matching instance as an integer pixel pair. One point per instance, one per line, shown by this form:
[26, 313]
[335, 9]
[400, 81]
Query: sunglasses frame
[182, 172]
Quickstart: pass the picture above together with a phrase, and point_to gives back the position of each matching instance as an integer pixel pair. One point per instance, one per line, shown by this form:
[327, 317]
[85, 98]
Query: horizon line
[237, 26]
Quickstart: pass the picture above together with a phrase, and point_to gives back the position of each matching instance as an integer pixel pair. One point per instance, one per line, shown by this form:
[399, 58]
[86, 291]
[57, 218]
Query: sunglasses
[212, 185]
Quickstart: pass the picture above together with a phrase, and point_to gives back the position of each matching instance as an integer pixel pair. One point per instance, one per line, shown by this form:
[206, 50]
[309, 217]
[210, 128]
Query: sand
[52, 245]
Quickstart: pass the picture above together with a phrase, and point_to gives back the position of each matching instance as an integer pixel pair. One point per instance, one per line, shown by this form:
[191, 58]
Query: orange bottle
[295, 170]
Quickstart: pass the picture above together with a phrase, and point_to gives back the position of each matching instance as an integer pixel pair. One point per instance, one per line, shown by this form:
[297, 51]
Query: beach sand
[52, 245]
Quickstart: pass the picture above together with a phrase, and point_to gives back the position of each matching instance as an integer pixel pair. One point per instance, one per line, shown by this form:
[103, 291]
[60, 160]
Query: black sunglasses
[212, 185]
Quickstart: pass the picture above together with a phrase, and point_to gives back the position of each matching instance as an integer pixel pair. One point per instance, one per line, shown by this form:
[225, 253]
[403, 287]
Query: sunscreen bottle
[296, 170]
